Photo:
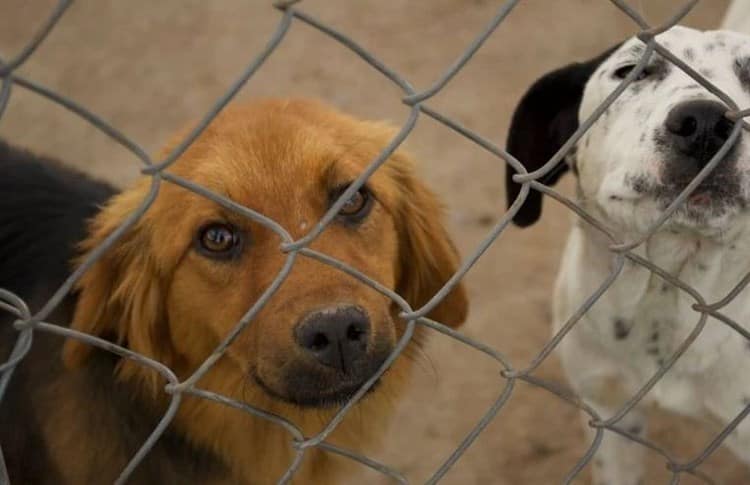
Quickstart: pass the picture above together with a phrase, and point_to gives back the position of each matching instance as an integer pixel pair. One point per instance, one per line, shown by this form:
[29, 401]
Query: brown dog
[177, 283]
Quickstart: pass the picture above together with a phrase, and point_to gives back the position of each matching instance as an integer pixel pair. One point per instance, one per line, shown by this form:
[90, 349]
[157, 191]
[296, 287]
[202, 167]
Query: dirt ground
[148, 67]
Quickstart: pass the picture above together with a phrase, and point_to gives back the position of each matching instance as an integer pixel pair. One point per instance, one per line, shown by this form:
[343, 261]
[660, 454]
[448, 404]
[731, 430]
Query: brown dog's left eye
[357, 207]
[218, 240]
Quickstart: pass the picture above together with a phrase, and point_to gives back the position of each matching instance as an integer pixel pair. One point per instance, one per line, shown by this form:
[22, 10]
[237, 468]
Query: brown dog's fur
[153, 293]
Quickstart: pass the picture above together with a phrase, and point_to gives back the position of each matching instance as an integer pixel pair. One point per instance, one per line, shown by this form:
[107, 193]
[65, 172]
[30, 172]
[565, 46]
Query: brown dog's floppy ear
[427, 255]
[545, 118]
[120, 298]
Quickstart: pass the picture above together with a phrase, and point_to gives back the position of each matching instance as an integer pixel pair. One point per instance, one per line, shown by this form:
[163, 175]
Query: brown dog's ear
[120, 297]
[427, 255]
[545, 118]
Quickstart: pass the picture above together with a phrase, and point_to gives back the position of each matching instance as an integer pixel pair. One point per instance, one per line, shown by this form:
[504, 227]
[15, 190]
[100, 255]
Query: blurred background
[150, 67]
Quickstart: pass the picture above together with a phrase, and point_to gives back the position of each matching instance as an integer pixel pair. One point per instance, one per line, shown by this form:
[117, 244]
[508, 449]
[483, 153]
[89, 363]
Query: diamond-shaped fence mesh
[291, 13]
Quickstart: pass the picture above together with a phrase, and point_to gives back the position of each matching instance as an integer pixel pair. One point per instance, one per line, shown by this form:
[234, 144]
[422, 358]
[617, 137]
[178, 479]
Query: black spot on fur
[621, 329]
[688, 54]
[639, 183]
[636, 429]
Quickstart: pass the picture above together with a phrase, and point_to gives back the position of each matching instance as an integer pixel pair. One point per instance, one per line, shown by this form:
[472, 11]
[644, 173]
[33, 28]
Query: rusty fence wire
[27, 324]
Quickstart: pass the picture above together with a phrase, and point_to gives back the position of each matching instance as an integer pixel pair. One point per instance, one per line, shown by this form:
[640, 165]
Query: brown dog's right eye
[218, 240]
[355, 204]
[357, 207]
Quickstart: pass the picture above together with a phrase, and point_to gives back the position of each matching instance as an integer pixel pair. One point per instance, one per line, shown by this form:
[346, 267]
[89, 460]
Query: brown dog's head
[177, 283]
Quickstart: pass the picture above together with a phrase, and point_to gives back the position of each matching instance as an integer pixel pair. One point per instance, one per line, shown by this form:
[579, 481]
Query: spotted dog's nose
[336, 337]
[697, 130]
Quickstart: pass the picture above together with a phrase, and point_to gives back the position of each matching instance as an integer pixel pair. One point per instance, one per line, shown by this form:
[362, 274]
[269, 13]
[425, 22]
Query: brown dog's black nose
[336, 337]
[698, 129]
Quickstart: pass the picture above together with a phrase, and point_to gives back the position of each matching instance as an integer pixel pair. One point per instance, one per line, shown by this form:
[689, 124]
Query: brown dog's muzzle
[338, 352]
[336, 337]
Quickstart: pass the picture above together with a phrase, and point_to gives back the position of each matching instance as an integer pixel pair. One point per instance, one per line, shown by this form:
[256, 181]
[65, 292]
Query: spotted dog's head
[651, 142]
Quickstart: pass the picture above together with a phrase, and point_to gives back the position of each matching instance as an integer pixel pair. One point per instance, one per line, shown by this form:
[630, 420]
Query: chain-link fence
[27, 324]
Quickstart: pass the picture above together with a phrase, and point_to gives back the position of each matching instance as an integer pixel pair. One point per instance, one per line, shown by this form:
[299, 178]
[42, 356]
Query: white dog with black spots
[632, 163]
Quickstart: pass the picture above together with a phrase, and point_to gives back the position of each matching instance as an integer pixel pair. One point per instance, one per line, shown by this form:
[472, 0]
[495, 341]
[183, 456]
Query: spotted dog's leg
[618, 460]
[725, 402]
[739, 441]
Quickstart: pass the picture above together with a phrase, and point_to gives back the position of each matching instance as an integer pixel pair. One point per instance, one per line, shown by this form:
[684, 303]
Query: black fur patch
[543, 121]
[43, 211]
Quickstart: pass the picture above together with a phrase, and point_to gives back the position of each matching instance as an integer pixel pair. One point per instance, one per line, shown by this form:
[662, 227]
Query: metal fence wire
[27, 324]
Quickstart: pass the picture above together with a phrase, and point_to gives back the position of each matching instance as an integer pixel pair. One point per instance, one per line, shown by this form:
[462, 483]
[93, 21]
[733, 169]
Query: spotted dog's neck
[712, 265]
[648, 314]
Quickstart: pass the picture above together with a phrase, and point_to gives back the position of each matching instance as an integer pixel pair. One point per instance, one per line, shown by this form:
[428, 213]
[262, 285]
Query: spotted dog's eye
[622, 72]
[742, 69]
[357, 207]
[218, 240]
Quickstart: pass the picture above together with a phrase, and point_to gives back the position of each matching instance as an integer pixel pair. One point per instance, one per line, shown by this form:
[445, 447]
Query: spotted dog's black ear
[544, 119]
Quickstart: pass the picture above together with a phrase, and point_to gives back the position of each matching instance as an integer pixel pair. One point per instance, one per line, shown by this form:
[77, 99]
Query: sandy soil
[148, 67]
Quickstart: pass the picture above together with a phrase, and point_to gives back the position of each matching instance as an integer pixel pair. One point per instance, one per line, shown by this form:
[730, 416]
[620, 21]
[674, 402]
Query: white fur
[712, 379]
